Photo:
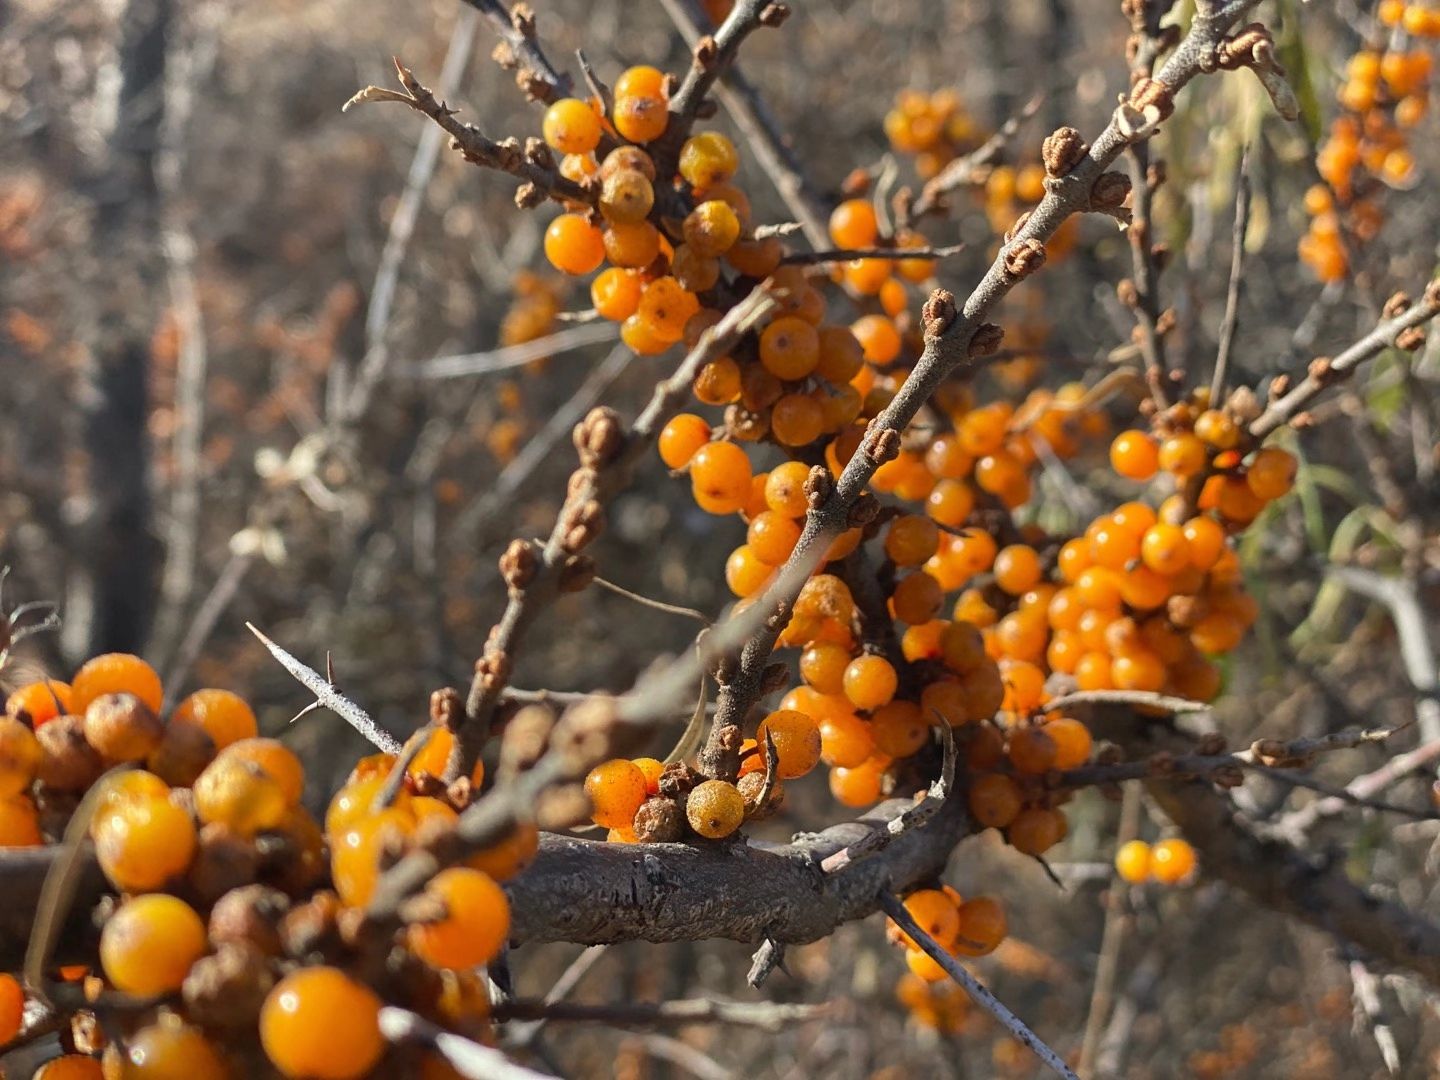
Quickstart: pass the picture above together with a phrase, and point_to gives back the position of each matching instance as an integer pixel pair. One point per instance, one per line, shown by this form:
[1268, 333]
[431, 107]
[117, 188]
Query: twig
[534, 72]
[1369, 1008]
[968, 168]
[469, 1059]
[654, 605]
[1285, 409]
[395, 778]
[511, 356]
[1300, 821]
[1144, 699]
[838, 255]
[1232, 292]
[892, 906]
[227, 586]
[950, 333]
[326, 696]
[768, 1016]
[1112, 937]
[569, 979]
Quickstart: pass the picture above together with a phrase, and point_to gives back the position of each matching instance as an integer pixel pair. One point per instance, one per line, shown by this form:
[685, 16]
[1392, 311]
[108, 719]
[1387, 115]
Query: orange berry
[1271, 473]
[899, 729]
[240, 795]
[796, 420]
[797, 742]
[355, 852]
[994, 800]
[149, 944]
[512, 854]
[279, 762]
[143, 842]
[650, 768]
[616, 788]
[870, 681]
[641, 337]
[19, 823]
[115, 673]
[1172, 861]
[20, 757]
[640, 118]
[1036, 830]
[845, 740]
[70, 1067]
[745, 572]
[165, 1050]
[681, 438]
[1217, 429]
[319, 1023]
[879, 340]
[12, 1007]
[911, 539]
[666, 306]
[1165, 550]
[936, 914]
[785, 489]
[1182, 455]
[1072, 741]
[474, 927]
[982, 926]
[707, 159]
[1134, 455]
[859, 786]
[571, 126]
[616, 294]
[790, 348]
[41, 701]
[853, 224]
[720, 476]
[1138, 670]
[917, 598]
[715, 809]
[640, 79]
[224, 716]
[1017, 568]
[1031, 750]
[772, 537]
[1132, 861]
[711, 228]
[573, 245]
[924, 967]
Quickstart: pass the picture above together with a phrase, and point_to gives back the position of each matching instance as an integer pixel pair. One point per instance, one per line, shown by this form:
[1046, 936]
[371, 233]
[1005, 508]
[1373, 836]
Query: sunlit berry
[994, 800]
[240, 795]
[640, 118]
[870, 681]
[40, 702]
[319, 1023]
[982, 926]
[143, 842]
[1172, 861]
[1036, 830]
[224, 716]
[708, 158]
[616, 788]
[149, 944]
[1134, 455]
[715, 809]
[20, 757]
[879, 339]
[474, 927]
[571, 126]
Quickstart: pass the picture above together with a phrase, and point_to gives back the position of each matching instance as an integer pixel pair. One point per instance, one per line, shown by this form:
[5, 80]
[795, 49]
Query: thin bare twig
[1372, 1012]
[468, 1058]
[511, 356]
[892, 906]
[533, 70]
[768, 1016]
[1232, 292]
[839, 255]
[1112, 937]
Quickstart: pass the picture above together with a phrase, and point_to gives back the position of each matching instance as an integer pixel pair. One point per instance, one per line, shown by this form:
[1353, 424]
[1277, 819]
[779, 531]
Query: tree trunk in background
[114, 587]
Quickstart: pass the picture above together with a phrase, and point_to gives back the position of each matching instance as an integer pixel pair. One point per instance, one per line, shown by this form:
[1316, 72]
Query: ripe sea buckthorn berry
[917, 598]
[578, 167]
[870, 681]
[790, 348]
[845, 740]
[19, 822]
[1172, 861]
[666, 306]
[1132, 861]
[961, 646]
[1036, 830]
[924, 967]
[474, 927]
[859, 786]
[1138, 670]
[650, 768]
[796, 420]
[115, 673]
[512, 854]
[694, 270]
[911, 539]
[853, 224]
[950, 503]
[720, 475]
[756, 258]
[899, 729]
[922, 641]
[1134, 455]
[715, 809]
[1205, 539]
[994, 800]
[183, 753]
[745, 573]
[640, 118]
[144, 842]
[616, 294]
[1182, 455]
[1271, 473]
[982, 926]
[21, 756]
[67, 761]
[1031, 750]
[841, 356]
[937, 914]
[679, 440]
[711, 228]
[319, 1023]
[41, 701]
[797, 742]
[149, 944]
[947, 458]
[573, 245]
[879, 340]
[1165, 550]
[12, 1007]
[772, 537]
[1072, 740]
[718, 382]
[1024, 684]
[982, 431]
[278, 761]
[632, 246]
[707, 159]
[571, 126]
[868, 276]
[616, 789]
[822, 666]
[640, 79]
[434, 756]
[975, 551]
[240, 795]
[164, 1050]
[121, 728]
[1217, 429]
[1017, 568]
[945, 701]
[224, 716]
[355, 852]
[70, 1067]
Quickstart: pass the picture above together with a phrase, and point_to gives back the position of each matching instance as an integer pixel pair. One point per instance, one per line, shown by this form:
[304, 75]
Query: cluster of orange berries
[1384, 96]
[934, 127]
[221, 872]
[1168, 862]
[963, 928]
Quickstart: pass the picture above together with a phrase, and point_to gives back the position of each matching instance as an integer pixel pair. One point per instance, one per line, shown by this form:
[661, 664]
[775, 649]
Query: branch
[965, 170]
[520, 51]
[1232, 292]
[768, 1016]
[955, 337]
[1324, 373]
[837, 255]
